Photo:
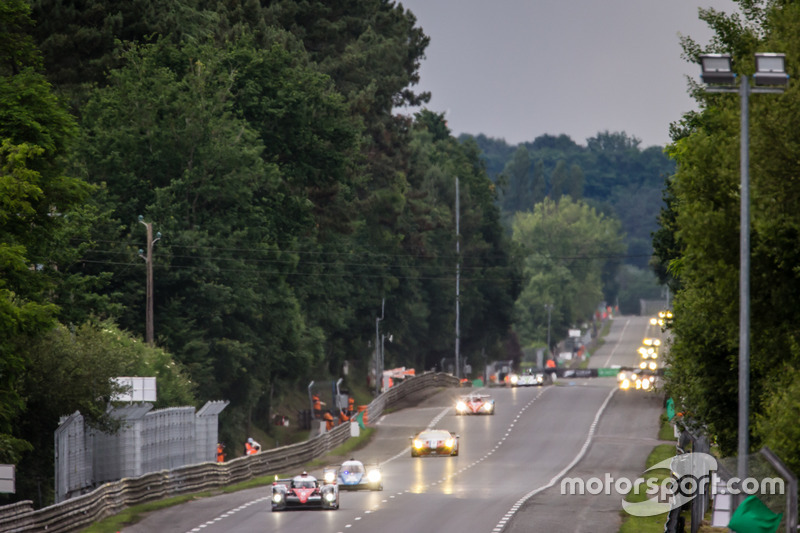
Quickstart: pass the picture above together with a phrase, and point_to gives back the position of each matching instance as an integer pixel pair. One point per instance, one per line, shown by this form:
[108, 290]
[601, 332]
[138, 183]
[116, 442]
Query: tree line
[612, 174]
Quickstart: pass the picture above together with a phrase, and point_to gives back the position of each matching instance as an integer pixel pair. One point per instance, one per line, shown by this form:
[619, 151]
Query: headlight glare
[374, 476]
[277, 497]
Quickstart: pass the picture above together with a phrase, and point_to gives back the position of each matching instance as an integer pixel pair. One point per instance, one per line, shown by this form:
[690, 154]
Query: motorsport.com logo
[691, 475]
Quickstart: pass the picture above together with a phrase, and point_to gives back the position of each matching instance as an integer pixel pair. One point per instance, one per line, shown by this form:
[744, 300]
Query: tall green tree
[565, 248]
[518, 195]
[40, 209]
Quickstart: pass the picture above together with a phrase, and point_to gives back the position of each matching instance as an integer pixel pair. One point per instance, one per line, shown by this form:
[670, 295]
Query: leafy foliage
[565, 247]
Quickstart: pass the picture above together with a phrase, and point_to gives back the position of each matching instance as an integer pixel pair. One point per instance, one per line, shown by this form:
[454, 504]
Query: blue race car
[355, 475]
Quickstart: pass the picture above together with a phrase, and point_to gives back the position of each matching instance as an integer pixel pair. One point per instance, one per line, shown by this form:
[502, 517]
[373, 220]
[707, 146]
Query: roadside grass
[666, 431]
[648, 524]
[135, 513]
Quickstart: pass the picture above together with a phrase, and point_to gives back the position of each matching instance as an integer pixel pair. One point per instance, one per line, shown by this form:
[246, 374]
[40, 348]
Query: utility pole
[458, 284]
[549, 308]
[378, 366]
[148, 259]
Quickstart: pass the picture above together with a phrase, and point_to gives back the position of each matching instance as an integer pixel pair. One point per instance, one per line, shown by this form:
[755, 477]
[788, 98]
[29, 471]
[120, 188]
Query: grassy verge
[648, 524]
[131, 515]
[666, 431]
[135, 513]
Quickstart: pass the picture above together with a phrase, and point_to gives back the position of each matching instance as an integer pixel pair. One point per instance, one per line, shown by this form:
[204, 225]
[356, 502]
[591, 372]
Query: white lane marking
[226, 514]
[622, 334]
[566, 469]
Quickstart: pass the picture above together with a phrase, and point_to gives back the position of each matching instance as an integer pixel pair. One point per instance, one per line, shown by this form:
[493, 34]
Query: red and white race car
[302, 492]
[475, 404]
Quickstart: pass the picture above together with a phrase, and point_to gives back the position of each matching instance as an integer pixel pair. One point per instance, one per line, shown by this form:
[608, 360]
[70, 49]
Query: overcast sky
[517, 69]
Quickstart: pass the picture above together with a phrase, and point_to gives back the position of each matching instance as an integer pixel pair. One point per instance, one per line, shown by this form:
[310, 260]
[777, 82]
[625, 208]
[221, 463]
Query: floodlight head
[771, 69]
[716, 69]
[141, 218]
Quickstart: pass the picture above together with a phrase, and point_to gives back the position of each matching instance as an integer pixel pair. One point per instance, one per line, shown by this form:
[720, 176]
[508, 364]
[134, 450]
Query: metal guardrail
[111, 498]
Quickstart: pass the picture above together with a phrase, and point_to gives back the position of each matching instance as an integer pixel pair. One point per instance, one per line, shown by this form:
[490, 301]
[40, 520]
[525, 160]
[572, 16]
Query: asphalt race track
[506, 477]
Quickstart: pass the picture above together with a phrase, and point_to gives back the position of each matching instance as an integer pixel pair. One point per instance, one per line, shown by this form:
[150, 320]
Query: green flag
[360, 419]
[752, 516]
[670, 409]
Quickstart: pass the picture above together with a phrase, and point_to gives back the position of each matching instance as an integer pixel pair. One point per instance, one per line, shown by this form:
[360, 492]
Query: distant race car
[475, 404]
[531, 378]
[355, 475]
[635, 379]
[304, 492]
[434, 442]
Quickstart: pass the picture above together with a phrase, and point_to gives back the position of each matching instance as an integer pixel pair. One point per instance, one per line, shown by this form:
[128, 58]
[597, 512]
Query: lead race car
[304, 492]
[355, 475]
[529, 378]
[475, 404]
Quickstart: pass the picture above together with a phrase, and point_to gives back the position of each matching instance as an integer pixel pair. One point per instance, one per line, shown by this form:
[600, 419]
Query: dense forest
[697, 245]
[289, 194]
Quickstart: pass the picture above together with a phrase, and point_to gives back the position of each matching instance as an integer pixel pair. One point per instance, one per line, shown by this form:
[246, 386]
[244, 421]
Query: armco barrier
[111, 498]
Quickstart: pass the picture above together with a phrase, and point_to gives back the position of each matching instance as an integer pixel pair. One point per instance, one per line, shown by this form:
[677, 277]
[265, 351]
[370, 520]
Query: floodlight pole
[744, 91]
[744, 284]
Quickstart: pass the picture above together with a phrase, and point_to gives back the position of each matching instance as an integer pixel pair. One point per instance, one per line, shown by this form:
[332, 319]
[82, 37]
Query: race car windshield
[304, 484]
[353, 469]
[437, 435]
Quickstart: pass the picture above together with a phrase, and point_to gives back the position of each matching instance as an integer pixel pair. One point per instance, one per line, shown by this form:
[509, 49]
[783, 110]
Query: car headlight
[329, 497]
[653, 365]
[488, 406]
[514, 379]
[643, 364]
[329, 477]
[645, 383]
[450, 442]
[626, 384]
[277, 497]
[374, 476]
[418, 444]
[461, 406]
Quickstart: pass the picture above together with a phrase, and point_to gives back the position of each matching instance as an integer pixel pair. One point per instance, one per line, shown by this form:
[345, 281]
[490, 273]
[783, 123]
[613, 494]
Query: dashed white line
[554, 480]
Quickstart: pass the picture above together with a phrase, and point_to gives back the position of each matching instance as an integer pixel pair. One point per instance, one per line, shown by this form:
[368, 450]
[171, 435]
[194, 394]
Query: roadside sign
[7, 478]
